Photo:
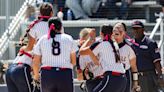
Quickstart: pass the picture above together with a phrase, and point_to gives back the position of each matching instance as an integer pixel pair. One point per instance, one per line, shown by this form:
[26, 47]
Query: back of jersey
[58, 55]
[39, 30]
[23, 59]
[106, 56]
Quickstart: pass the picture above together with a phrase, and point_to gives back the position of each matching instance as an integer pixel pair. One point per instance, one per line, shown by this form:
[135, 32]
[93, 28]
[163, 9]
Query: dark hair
[124, 25]
[107, 31]
[46, 9]
[57, 24]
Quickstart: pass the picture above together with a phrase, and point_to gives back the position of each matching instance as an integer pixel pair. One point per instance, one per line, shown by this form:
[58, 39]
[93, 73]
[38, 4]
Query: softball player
[18, 75]
[127, 56]
[21, 66]
[114, 77]
[97, 70]
[84, 34]
[84, 64]
[54, 52]
[39, 27]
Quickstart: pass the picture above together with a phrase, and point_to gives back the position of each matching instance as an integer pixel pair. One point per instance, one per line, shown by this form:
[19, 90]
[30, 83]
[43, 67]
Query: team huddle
[112, 63]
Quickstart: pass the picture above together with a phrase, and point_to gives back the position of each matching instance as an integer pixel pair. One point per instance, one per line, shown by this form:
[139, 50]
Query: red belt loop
[20, 63]
[63, 68]
[47, 68]
[116, 73]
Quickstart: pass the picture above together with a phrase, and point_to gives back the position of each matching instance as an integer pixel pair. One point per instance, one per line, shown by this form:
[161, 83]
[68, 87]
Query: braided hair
[107, 32]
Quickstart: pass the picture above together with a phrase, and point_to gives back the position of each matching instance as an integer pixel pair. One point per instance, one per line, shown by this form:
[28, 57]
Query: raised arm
[85, 50]
[36, 66]
[30, 43]
[73, 58]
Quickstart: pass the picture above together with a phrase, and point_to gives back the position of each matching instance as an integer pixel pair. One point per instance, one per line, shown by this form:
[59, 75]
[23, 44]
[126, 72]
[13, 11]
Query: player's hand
[36, 83]
[136, 87]
[36, 77]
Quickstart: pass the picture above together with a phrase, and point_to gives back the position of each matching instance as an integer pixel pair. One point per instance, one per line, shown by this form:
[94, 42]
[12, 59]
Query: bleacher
[146, 6]
[14, 6]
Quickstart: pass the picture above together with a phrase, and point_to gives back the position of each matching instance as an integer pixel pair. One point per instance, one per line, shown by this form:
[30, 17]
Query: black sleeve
[94, 45]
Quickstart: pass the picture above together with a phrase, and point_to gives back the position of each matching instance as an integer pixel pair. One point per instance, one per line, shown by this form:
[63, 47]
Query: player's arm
[134, 71]
[85, 50]
[36, 66]
[30, 44]
[73, 58]
[133, 65]
[37, 59]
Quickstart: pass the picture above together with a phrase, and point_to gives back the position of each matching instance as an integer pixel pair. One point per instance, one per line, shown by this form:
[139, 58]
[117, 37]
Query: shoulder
[128, 47]
[150, 42]
[99, 43]
[41, 24]
[66, 36]
[94, 45]
[43, 38]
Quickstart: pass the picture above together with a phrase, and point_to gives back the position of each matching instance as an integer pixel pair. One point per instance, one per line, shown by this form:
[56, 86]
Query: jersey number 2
[56, 48]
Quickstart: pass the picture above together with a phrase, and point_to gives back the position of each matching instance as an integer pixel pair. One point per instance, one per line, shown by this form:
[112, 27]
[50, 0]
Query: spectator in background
[30, 13]
[83, 9]
[162, 3]
[58, 5]
[38, 2]
[120, 13]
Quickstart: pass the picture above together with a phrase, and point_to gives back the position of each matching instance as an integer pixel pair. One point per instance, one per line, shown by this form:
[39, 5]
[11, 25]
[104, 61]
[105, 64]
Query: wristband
[135, 76]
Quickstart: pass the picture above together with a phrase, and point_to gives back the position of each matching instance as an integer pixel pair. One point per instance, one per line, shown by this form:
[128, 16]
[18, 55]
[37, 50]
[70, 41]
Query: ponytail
[114, 45]
[55, 25]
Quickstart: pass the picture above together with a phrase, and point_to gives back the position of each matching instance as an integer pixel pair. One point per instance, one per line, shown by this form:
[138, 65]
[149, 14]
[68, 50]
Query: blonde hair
[84, 33]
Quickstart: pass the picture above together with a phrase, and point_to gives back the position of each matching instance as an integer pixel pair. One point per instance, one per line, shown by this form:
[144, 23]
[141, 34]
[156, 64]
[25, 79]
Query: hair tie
[107, 38]
[52, 27]
[131, 40]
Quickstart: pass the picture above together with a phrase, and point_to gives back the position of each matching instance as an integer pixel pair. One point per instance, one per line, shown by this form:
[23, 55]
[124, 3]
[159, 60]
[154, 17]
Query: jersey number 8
[55, 48]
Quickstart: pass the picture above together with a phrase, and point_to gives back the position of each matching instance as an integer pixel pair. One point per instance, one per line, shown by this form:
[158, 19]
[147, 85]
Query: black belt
[145, 73]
